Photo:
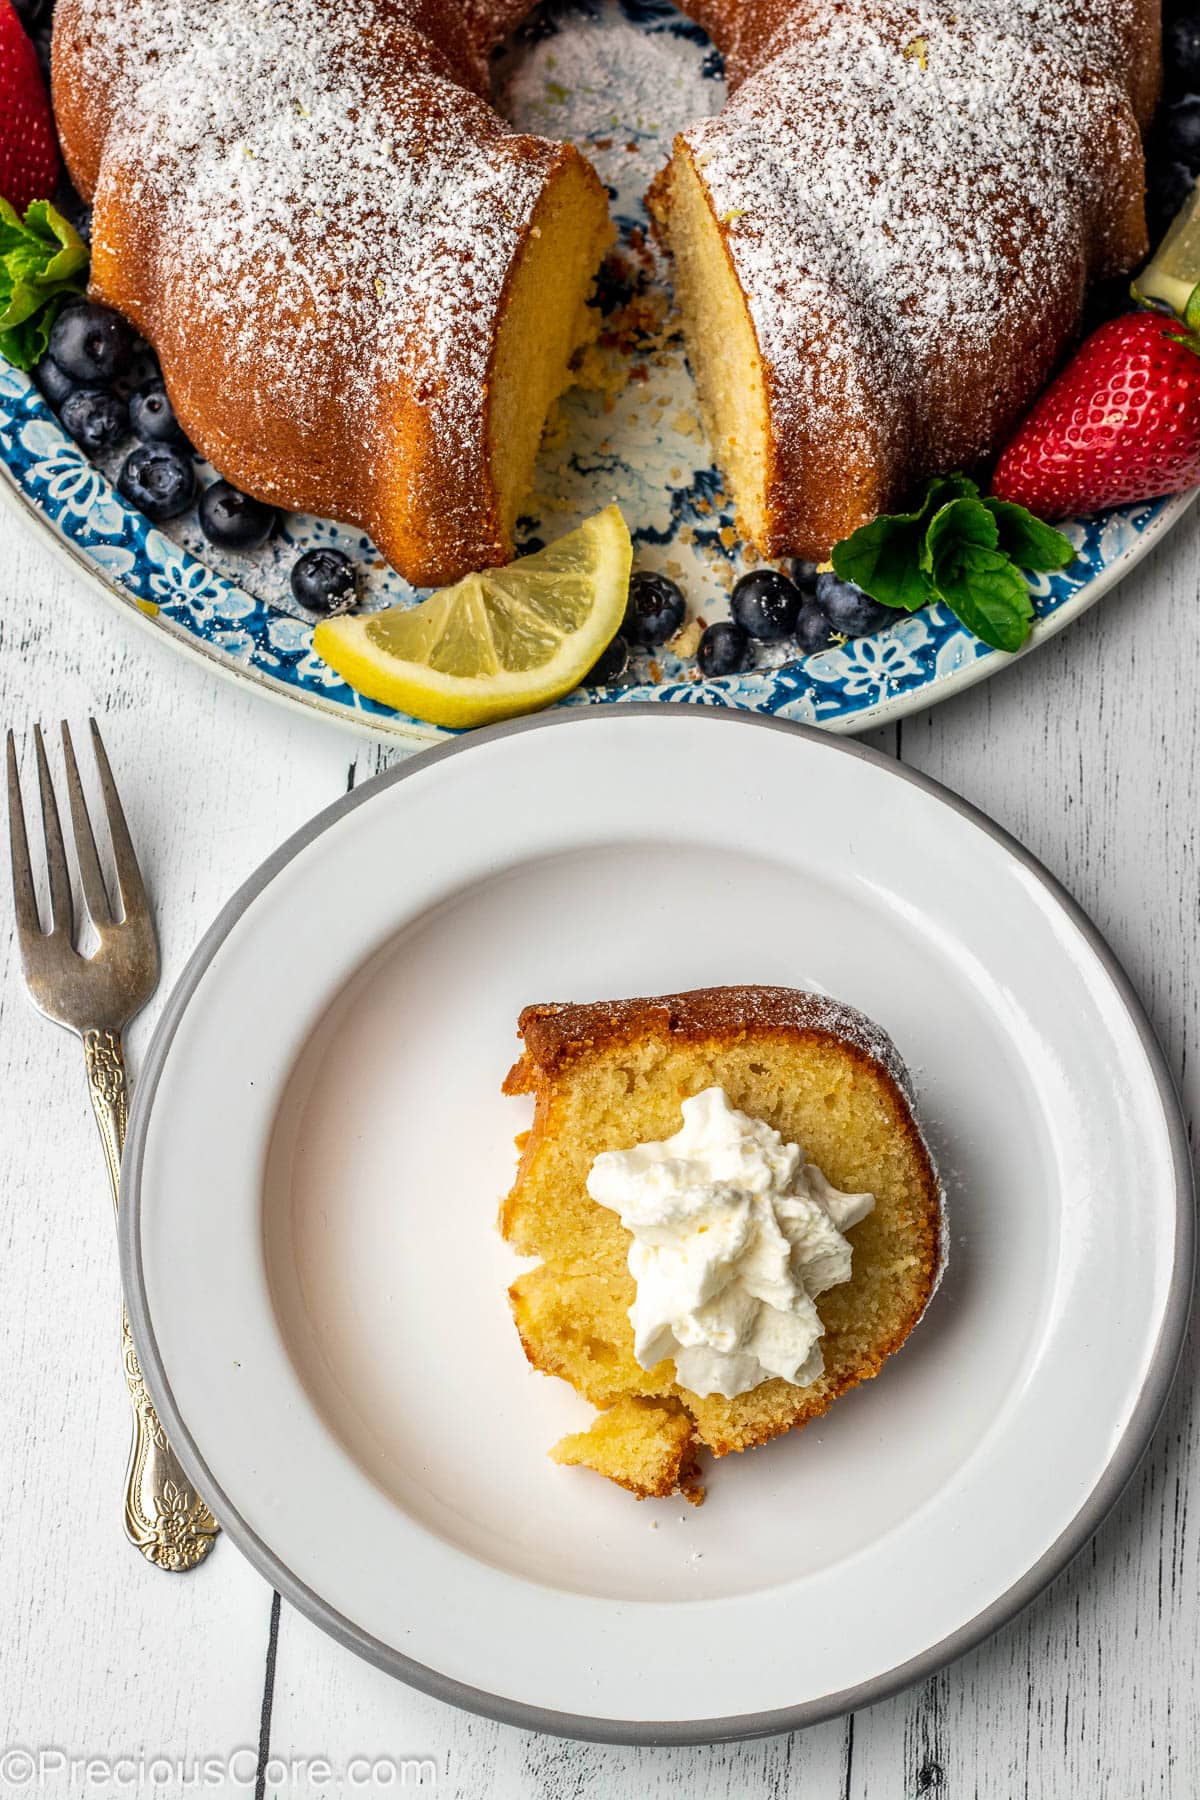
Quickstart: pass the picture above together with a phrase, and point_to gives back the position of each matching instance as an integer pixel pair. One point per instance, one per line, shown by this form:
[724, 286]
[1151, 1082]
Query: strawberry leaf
[1029, 541]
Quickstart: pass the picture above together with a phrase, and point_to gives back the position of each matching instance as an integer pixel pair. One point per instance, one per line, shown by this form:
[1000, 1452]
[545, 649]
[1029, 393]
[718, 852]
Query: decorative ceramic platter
[617, 78]
[318, 1291]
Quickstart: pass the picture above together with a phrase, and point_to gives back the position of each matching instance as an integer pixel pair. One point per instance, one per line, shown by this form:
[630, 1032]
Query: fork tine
[62, 916]
[24, 892]
[90, 878]
[129, 876]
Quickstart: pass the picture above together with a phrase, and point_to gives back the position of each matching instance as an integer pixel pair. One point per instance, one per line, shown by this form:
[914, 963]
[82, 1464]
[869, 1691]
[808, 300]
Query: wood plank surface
[1087, 751]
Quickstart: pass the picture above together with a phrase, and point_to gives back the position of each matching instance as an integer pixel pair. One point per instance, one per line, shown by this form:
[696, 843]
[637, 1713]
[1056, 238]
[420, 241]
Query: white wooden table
[1088, 751]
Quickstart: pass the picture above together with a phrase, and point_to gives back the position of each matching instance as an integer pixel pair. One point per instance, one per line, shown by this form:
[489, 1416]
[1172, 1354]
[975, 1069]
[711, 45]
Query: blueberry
[654, 611]
[325, 581]
[233, 520]
[609, 667]
[158, 478]
[804, 576]
[1180, 137]
[74, 210]
[724, 649]
[1170, 185]
[31, 12]
[848, 609]
[813, 630]
[54, 382]
[152, 415]
[765, 605]
[91, 342]
[143, 366]
[1181, 48]
[95, 417]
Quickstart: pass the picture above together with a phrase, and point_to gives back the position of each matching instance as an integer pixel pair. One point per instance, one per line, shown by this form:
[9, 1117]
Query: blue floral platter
[617, 77]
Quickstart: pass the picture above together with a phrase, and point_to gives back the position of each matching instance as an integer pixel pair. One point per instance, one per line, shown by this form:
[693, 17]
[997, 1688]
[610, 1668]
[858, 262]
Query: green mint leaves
[43, 263]
[962, 549]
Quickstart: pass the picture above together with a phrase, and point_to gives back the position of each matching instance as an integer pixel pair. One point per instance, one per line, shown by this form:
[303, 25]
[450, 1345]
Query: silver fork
[96, 996]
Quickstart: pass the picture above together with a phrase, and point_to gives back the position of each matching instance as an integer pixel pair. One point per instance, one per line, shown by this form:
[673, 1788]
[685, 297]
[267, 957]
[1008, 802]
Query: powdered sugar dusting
[914, 191]
[901, 182]
[329, 203]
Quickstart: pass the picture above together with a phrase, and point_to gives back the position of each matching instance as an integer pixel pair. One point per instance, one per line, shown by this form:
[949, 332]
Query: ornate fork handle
[164, 1516]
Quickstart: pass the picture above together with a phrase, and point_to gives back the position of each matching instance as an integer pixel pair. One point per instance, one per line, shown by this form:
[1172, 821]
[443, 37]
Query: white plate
[318, 1293]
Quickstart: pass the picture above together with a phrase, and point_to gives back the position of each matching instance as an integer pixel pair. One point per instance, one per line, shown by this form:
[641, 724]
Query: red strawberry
[28, 147]
[1121, 423]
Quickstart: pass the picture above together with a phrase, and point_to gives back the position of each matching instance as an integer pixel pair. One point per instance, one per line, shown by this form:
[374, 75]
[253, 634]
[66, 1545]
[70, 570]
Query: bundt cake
[611, 1076]
[365, 290]
[883, 241]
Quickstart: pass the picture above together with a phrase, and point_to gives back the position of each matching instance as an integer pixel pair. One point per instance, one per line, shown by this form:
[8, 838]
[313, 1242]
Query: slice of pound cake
[736, 1214]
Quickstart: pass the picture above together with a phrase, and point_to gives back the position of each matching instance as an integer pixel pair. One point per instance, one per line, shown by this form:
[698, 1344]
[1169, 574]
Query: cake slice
[611, 1076]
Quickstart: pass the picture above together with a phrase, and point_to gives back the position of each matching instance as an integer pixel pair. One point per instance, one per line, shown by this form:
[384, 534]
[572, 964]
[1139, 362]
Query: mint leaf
[26, 343]
[1029, 541]
[884, 557]
[983, 589]
[43, 263]
[963, 521]
[960, 548]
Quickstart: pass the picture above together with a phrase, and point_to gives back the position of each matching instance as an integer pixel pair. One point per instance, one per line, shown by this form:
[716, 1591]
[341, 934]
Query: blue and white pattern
[637, 440]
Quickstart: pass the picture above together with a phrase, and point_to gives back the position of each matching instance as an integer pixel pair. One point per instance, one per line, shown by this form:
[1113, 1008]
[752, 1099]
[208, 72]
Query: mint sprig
[43, 264]
[960, 548]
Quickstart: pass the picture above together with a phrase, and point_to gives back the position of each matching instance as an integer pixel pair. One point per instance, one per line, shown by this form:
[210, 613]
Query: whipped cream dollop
[735, 1233]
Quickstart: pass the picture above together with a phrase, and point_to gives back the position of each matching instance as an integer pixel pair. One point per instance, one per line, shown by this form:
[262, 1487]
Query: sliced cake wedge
[785, 1069]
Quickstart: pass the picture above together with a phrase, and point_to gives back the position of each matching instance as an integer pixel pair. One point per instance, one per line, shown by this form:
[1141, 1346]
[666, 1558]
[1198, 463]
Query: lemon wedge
[495, 644]
[1173, 272]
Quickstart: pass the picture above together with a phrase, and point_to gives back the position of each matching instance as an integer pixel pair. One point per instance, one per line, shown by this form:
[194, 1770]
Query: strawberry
[29, 163]
[1121, 423]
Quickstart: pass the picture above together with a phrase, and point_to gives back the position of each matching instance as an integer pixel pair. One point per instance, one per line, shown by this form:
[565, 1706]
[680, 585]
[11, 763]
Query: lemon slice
[495, 644]
[1173, 272]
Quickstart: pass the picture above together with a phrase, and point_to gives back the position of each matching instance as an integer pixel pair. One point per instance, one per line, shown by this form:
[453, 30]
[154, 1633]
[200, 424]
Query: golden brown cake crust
[555, 1033]
[316, 218]
[557, 1306]
[326, 274]
[944, 180]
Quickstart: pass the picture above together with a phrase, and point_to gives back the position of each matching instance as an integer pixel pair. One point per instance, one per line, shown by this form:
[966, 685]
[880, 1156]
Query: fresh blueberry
[91, 342]
[1181, 48]
[609, 668]
[765, 605]
[325, 581]
[233, 520]
[74, 210]
[813, 630]
[804, 577]
[655, 609]
[1170, 185]
[1181, 133]
[848, 609]
[95, 417]
[158, 478]
[143, 366]
[32, 12]
[152, 415]
[54, 382]
[724, 649]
